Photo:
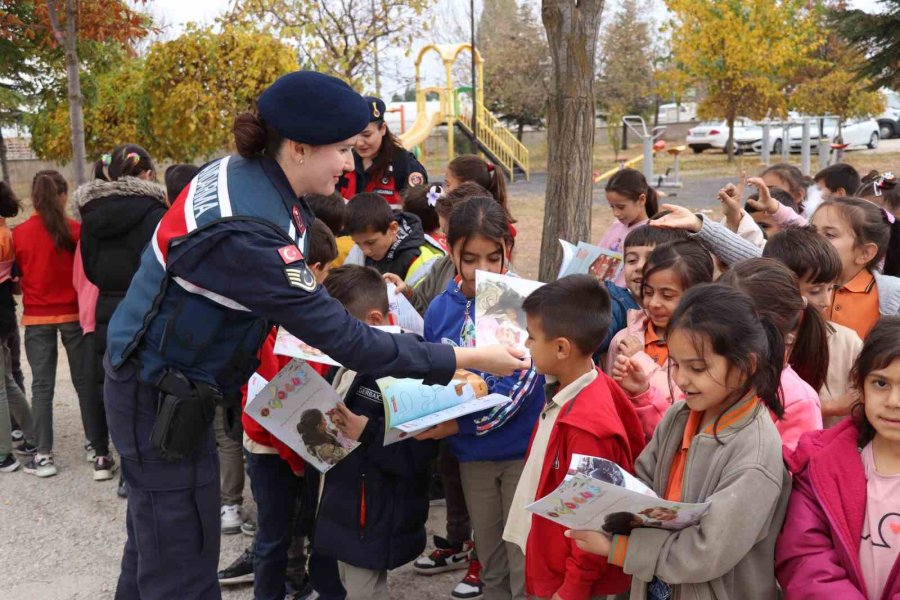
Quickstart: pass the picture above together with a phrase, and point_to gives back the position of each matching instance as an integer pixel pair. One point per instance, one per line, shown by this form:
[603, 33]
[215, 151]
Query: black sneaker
[42, 466]
[26, 448]
[443, 558]
[18, 437]
[122, 490]
[240, 571]
[9, 464]
[104, 467]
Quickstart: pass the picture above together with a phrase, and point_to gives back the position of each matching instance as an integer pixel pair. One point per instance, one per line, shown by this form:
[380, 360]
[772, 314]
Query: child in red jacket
[587, 413]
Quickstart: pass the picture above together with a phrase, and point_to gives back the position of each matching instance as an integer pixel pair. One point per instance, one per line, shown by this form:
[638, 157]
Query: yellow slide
[420, 129]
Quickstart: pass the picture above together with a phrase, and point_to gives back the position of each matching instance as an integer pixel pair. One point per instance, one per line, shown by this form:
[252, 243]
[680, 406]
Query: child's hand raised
[630, 345]
[766, 202]
[630, 375]
[679, 217]
[350, 424]
[731, 197]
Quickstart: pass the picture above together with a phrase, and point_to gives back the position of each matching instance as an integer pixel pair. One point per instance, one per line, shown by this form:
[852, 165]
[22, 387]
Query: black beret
[376, 108]
[313, 108]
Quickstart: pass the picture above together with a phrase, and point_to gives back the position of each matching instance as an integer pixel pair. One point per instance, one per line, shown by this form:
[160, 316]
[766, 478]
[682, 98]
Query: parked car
[750, 139]
[677, 113]
[889, 120]
[855, 133]
[714, 134]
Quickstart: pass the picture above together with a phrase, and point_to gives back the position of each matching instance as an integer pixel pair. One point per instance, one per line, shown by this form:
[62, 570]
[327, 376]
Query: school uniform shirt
[48, 296]
[729, 554]
[880, 544]
[855, 304]
[614, 240]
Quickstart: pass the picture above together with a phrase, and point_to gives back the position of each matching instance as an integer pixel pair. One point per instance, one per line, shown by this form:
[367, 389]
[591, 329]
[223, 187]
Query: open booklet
[405, 315]
[598, 494]
[586, 258]
[289, 345]
[411, 407]
[296, 407]
[499, 318]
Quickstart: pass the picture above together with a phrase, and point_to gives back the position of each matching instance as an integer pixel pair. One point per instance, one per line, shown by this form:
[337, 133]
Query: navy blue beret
[313, 108]
[376, 108]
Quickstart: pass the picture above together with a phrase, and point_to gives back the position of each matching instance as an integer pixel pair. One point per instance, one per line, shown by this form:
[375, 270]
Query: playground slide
[420, 129]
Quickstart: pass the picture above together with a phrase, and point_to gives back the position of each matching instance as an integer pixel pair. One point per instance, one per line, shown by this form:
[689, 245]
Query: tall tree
[516, 67]
[626, 84]
[572, 29]
[60, 26]
[876, 37]
[337, 36]
[741, 53]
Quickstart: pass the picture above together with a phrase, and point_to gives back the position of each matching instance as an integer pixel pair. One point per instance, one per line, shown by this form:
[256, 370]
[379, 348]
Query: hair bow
[106, 159]
[885, 181]
[134, 157]
[434, 192]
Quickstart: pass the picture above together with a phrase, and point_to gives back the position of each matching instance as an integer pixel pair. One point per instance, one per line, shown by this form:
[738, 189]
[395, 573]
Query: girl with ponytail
[45, 252]
[718, 446]
[469, 167]
[633, 202]
[775, 292]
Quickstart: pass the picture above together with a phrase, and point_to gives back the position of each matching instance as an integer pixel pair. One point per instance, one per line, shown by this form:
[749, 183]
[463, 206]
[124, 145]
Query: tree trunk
[729, 144]
[520, 130]
[4, 163]
[572, 27]
[76, 100]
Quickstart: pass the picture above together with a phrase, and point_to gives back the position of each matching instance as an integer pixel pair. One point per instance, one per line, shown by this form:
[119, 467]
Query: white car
[749, 139]
[714, 134]
[855, 133]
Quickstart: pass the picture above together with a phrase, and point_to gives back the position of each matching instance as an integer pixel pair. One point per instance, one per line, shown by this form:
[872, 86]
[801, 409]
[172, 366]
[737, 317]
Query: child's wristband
[618, 548]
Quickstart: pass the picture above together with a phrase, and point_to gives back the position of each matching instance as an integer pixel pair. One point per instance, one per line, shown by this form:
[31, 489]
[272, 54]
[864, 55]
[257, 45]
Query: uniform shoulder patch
[299, 276]
[290, 254]
[416, 178]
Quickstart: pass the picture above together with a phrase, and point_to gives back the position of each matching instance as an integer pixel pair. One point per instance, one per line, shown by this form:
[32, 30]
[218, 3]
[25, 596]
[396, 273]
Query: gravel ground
[62, 537]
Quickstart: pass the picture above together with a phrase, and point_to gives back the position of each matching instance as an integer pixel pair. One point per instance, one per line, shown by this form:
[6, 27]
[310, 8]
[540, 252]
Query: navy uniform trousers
[172, 550]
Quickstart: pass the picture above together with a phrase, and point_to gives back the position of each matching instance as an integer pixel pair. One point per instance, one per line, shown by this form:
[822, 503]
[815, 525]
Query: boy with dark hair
[638, 245]
[323, 250]
[177, 178]
[837, 180]
[333, 211]
[586, 413]
[374, 503]
[391, 242]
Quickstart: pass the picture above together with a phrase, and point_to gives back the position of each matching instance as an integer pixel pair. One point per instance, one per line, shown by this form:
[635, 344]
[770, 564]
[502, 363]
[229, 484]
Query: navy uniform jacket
[225, 262]
[404, 171]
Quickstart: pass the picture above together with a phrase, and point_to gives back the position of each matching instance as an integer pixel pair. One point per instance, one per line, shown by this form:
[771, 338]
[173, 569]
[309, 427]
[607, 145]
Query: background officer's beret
[376, 108]
[313, 108]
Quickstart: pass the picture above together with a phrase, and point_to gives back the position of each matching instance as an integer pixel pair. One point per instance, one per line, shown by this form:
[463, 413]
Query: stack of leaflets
[586, 258]
[499, 318]
[597, 494]
[411, 407]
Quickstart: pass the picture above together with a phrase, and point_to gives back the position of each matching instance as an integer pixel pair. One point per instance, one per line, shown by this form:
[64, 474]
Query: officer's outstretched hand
[497, 360]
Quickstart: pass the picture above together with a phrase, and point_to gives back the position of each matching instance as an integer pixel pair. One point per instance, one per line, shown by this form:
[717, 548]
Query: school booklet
[289, 345]
[405, 315]
[411, 407]
[499, 318]
[587, 258]
[597, 492]
[296, 406]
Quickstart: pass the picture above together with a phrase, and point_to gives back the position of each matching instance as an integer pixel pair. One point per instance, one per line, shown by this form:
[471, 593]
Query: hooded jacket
[499, 433]
[817, 554]
[409, 253]
[118, 219]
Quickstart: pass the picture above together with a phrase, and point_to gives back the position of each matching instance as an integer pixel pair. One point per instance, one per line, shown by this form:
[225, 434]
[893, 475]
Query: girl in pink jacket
[841, 536]
[638, 357]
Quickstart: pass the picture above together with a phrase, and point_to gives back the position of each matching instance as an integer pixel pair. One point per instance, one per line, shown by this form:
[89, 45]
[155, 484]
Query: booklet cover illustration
[499, 318]
[586, 258]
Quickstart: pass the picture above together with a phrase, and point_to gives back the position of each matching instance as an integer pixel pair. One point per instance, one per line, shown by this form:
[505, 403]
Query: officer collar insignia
[301, 277]
[298, 221]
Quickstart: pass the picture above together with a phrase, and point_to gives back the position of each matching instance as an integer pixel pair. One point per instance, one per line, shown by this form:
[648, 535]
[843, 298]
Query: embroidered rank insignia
[416, 179]
[301, 277]
[298, 222]
[290, 254]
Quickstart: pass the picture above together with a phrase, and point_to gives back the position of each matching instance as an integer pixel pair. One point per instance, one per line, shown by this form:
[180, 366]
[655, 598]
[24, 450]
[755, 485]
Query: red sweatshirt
[600, 421]
[47, 289]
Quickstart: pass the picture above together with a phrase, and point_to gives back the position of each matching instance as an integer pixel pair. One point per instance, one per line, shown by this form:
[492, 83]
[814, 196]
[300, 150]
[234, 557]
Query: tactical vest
[166, 321]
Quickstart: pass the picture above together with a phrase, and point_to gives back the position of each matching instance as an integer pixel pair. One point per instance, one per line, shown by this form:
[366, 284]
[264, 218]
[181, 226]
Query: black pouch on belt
[186, 410]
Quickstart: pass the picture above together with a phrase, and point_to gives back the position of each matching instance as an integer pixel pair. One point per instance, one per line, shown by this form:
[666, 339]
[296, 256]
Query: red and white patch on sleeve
[290, 254]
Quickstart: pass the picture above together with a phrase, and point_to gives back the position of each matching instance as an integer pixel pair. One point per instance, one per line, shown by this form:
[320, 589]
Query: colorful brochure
[586, 258]
[499, 318]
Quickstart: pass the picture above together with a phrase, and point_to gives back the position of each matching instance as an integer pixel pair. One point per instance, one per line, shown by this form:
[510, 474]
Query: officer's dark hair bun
[253, 138]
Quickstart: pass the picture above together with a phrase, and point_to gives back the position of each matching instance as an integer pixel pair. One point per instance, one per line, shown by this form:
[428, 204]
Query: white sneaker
[40, 465]
[231, 519]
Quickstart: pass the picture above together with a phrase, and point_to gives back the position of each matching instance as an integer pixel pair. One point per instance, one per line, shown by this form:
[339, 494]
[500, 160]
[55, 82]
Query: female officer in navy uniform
[380, 163]
[227, 261]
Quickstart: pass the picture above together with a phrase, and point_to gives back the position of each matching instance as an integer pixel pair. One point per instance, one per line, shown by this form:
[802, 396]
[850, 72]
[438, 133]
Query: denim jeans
[12, 403]
[276, 490]
[41, 351]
